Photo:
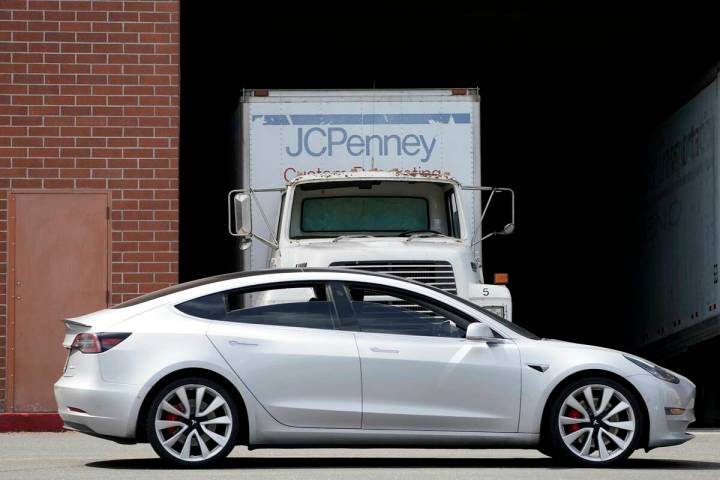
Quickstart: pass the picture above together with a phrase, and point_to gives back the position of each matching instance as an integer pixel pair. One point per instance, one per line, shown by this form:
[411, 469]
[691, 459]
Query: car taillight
[97, 342]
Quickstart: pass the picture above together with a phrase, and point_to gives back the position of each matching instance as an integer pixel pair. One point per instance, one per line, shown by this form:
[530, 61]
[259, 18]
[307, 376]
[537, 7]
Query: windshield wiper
[410, 232]
[345, 237]
[422, 234]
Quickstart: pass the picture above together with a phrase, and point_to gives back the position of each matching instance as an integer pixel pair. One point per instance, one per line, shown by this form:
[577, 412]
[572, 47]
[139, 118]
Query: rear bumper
[665, 429]
[105, 409]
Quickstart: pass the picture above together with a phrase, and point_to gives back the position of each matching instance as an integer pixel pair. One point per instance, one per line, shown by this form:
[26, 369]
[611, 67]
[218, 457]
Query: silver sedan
[333, 358]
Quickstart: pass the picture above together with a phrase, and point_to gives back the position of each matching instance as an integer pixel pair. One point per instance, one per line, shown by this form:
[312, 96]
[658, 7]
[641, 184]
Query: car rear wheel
[595, 422]
[192, 422]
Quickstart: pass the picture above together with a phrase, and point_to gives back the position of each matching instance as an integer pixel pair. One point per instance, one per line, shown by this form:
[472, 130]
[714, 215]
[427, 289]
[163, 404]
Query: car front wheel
[595, 422]
[192, 422]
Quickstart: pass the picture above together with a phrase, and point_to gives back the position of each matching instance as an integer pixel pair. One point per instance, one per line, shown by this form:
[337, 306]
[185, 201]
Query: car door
[282, 343]
[419, 372]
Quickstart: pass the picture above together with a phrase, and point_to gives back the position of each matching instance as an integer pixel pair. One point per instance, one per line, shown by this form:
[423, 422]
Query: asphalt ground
[76, 456]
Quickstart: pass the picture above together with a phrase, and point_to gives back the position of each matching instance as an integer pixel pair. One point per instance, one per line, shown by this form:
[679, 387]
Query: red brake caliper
[572, 413]
[172, 417]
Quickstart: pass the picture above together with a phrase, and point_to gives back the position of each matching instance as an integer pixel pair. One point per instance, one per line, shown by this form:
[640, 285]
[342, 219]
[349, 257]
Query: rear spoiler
[72, 328]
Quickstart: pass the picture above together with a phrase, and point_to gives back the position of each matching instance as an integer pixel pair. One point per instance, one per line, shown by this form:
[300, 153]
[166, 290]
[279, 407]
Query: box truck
[380, 180]
[678, 302]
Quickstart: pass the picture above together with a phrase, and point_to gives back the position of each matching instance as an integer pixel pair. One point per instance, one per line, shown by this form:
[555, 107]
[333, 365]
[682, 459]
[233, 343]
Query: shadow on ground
[370, 462]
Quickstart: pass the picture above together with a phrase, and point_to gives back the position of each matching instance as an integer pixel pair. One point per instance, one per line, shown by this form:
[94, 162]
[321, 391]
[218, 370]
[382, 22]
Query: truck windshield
[364, 214]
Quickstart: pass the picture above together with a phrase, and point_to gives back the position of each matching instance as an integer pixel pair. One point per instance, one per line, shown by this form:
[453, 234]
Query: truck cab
[398, 223]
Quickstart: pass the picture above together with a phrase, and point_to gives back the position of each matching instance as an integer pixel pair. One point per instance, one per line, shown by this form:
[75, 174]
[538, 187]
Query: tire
[198, 437]
[598, 435]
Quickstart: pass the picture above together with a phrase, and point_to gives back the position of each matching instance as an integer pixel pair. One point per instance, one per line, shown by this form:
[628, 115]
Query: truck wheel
[595, 422]
[192, 422]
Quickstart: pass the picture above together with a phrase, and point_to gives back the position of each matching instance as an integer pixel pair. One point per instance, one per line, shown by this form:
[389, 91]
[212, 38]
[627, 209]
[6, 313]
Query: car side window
[300, 305]
[380, 310]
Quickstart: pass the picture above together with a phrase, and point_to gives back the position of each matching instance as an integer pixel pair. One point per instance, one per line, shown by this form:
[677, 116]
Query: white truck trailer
[379, 180]
[679, 293]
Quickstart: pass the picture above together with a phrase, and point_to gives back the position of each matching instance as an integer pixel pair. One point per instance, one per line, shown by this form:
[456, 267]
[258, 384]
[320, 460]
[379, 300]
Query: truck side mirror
[509, 228]
[479, 331]
[243, 215]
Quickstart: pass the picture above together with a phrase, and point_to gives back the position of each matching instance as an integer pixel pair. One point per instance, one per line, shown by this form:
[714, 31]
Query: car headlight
[498, 310]
[653, 369]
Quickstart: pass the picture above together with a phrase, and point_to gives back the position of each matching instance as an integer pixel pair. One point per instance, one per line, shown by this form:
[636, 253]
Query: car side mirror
[479, 331]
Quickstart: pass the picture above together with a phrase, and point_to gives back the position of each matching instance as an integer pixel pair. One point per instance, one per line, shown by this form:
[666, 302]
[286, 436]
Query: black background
[568, 99]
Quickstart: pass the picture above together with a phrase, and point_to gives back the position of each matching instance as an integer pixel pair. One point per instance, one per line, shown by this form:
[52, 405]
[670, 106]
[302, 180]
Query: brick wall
[89, 99]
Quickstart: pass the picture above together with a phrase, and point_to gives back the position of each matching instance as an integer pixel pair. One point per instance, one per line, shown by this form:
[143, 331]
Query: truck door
[419, 372]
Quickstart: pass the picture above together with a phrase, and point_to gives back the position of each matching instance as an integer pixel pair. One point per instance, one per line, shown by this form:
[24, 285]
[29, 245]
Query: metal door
[58, 269]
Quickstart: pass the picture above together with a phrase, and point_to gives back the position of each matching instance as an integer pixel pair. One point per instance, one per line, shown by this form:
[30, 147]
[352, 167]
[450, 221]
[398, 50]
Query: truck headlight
[498, 310]
[654, 370]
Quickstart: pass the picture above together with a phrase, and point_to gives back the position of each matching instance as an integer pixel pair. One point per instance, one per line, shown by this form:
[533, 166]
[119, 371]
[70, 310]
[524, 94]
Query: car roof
[252, 273]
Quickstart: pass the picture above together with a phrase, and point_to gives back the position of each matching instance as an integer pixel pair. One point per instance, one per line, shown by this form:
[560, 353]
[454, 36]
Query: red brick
[44, 152]
[91, 16]
[154, 246]
[138, 237]
[59, 142]
[90, 163]
[28, 15]
[75, 173]
[106, 27]
[91, 142]
[107, 173]
[138, 277]
[109, 153]
[26, 183]
[122, 142]
[154, 267]
[75, 89]
[58, 183]
[27, 142]
[108, 90]
[91, 37]
[123, 16]
[91, 121]
[73, 5]
[24, 163]
[138, 6]
[90, 183]
[43, 173]
[59, 162]
[75, 111]
[108, 48]
[74, 68]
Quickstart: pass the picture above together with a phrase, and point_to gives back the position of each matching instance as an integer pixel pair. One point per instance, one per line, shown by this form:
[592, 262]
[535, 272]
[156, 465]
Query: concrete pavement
[75, 456]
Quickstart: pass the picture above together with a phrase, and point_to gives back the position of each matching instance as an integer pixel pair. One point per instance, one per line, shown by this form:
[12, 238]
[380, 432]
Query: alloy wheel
[193, 422]
[597, 423]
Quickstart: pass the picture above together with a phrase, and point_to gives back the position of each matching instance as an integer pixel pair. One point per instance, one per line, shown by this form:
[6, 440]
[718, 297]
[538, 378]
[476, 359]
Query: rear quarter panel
[163, 341]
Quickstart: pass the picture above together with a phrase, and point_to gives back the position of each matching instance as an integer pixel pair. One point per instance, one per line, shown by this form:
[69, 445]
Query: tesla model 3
[333, 358]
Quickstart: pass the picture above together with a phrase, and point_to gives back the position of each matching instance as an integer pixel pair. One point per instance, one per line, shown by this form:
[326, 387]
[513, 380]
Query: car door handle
[235, 343]
[384, 350]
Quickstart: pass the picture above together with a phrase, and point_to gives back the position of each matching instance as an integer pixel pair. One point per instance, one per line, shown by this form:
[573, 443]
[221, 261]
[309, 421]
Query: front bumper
[91, 405]
[659, 395]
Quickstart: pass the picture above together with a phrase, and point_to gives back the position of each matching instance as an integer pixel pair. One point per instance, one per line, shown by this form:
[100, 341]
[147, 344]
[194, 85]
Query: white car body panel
[443, 392]
[303, 377]
[431, 383]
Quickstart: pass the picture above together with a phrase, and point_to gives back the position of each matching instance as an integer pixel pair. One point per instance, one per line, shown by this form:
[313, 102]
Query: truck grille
[430, 272]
